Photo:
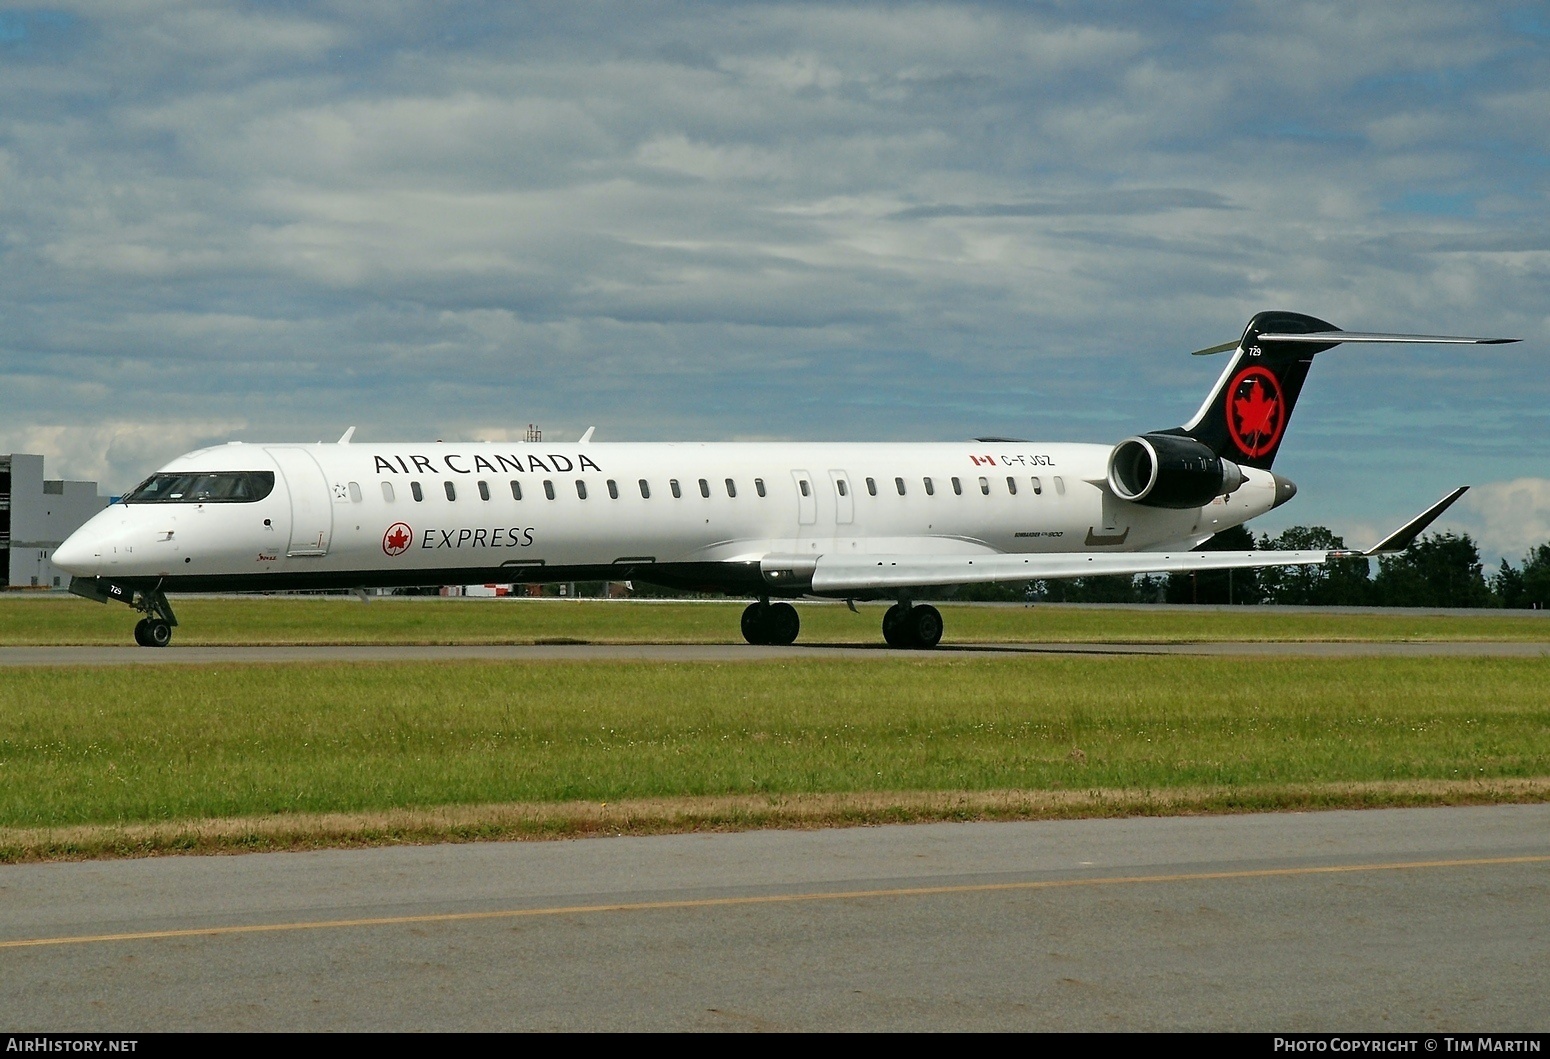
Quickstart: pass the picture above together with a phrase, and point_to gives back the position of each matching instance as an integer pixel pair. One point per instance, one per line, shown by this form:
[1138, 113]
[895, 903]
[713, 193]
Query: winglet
[344, 439]
[1403, 537]
[587, 436]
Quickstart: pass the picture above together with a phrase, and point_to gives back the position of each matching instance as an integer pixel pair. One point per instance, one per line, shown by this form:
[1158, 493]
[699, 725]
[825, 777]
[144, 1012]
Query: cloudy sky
[831, 221]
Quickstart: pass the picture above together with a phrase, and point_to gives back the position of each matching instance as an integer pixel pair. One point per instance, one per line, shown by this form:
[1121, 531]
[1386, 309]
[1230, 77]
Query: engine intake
[1165, 470]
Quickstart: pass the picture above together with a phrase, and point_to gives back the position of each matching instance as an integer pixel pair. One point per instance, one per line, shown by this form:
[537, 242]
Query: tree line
[1439, 570]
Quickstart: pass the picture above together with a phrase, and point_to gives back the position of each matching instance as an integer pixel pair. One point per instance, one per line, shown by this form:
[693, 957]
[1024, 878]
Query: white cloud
[1507, 519]
[773, 220]
[117, 454]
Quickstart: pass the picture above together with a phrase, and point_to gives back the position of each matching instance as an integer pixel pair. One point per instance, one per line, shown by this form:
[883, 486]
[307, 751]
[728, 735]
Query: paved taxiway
[118, 656]
[1418, 919]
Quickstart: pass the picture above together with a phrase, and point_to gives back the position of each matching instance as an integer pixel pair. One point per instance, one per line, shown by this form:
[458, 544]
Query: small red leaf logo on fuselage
[1256, 411]
[397, 539]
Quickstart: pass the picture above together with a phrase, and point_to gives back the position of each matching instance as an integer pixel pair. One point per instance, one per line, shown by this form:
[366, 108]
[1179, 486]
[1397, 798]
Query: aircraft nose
[76, 554]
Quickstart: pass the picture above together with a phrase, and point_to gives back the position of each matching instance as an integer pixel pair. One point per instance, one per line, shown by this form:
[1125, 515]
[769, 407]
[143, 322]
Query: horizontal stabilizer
[1325, 338]
[1403, 537]
[1209, 350]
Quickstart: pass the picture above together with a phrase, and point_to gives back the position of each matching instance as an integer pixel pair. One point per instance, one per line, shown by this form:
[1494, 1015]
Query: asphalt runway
[1426, 920]
[177, 655]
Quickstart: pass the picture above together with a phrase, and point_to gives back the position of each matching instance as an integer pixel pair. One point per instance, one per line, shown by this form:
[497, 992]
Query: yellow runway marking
[766, 899]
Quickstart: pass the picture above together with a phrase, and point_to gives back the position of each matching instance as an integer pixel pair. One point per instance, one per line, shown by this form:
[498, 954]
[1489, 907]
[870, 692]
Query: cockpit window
[224, 487]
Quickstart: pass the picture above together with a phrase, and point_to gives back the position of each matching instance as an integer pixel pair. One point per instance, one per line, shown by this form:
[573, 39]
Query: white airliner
[761, 520]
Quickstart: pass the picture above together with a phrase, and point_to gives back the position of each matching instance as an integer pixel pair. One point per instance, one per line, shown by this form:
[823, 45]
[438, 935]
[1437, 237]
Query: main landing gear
[909, 626]
[771, 623]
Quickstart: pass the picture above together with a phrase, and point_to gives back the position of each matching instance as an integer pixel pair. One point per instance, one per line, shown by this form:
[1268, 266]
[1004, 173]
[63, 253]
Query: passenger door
[312, 509]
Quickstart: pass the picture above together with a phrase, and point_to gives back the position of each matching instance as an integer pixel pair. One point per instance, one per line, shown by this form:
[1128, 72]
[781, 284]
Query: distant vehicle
[771, 521]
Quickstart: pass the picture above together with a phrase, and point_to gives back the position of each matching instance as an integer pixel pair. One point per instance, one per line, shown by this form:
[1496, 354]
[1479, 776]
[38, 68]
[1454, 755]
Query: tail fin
[1246, 414]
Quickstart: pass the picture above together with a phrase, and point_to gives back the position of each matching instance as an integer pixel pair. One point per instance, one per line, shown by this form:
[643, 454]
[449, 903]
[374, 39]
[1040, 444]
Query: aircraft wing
[839, 574]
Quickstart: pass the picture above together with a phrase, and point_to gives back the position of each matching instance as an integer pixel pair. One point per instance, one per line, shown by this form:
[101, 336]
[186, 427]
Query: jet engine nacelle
[1166, 470]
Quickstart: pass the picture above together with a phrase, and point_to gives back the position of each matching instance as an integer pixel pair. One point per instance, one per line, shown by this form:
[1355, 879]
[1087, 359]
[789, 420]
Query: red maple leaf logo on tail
[1254, 411]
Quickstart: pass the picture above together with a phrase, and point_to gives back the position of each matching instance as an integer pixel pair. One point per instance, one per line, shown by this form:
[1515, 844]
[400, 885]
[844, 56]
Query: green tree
[1110, 588]
[1340, 583]
[1216, 586]
[1528, 588]
[1536, 578]
[1439, 570]
[1507, 586]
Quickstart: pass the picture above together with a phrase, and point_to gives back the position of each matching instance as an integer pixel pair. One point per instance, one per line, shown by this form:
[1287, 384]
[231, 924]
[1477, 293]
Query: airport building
[36, 515]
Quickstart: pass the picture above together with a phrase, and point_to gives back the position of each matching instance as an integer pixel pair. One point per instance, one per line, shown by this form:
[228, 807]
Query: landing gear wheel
[158, 633]
[140, 632]
[925, 626]
[783, 624]
[756, 622]
[912, 627]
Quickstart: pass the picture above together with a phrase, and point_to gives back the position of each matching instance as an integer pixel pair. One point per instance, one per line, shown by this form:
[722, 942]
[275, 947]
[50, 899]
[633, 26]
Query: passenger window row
[450, 488]
[930, 486]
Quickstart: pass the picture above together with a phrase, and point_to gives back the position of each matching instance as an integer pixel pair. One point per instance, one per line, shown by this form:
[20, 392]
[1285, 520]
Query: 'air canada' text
[460, 463]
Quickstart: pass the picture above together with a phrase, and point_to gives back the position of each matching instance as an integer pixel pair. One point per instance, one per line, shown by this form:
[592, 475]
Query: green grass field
[174, 743]
[216, 757]
[53, 620]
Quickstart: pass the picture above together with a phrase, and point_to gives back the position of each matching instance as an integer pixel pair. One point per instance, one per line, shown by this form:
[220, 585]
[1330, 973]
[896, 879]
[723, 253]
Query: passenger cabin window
[985, 486]
[957, 486]
[484, 490]
[802, 485]
[387, 491]
[355, 492]
[451, 490]
[548, 489]
[581, 489]
[613, 489]
[758, 486]
[731, 487]
[1011, 485]
[871, 486]
[645, 489]
[1038, 486]
[899, 485]
[1060, 485]
[414, 487]
[226, 487]
[930, 487]
[672, 483]
[839, 484]
[704, 488]
[516, 489]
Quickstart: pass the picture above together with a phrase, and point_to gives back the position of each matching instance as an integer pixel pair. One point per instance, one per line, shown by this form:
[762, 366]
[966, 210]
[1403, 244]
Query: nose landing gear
[906, 626]
[766, 623]
[153, 630]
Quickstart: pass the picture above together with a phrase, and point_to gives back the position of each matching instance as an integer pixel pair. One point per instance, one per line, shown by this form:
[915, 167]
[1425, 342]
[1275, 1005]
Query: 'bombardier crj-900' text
[761, 520]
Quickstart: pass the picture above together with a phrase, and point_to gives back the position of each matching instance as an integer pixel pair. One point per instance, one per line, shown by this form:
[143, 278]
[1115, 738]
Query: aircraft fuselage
[693, 515]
